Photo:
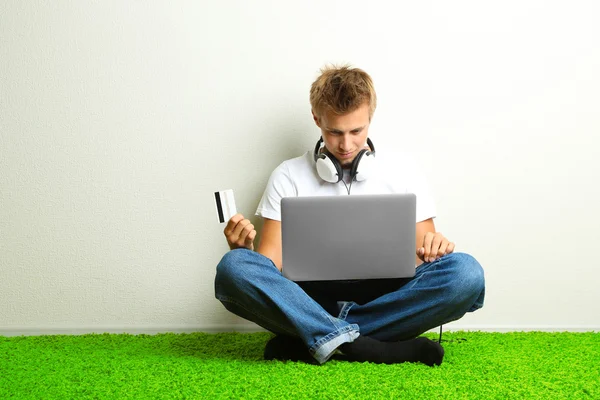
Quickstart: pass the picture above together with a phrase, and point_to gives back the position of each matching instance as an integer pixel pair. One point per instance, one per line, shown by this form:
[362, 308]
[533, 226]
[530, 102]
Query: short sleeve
[416, 182]
[425, 202]
[280, 185]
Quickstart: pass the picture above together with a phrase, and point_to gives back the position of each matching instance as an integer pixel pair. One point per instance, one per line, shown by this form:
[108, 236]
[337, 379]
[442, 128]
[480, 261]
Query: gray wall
[118, 121]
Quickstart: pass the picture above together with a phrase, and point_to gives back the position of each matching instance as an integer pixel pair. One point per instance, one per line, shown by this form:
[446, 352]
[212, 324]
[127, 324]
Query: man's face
[344, 135]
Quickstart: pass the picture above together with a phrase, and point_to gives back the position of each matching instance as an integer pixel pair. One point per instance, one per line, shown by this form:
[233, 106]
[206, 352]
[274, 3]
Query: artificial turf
[532, 365]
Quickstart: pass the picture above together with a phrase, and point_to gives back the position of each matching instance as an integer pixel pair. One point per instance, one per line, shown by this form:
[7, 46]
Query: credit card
[225, 205]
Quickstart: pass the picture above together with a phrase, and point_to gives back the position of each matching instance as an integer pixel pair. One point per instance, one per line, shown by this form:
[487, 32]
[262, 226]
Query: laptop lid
[348, 237]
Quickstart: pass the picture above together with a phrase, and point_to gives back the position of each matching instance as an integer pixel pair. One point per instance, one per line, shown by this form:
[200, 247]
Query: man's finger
[232, 223]
[443, 246]
[249, 242]
[427, 246]
[240, 227]
[420, 251]
[435, 246]
[247, 229]
[450, 248]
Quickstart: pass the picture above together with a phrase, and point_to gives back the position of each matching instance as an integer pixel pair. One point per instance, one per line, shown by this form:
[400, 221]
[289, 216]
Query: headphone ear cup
[356, 162]
[329, 169]
[367, 165]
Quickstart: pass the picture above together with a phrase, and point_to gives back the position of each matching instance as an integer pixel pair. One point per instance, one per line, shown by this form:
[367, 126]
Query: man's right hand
[240, 233]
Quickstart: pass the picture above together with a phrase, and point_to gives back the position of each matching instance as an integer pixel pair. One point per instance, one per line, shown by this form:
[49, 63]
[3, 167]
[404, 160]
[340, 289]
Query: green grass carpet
[531, 365]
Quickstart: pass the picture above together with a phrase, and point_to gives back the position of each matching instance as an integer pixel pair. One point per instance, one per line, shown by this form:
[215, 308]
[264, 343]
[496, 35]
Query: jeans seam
[260, 317]
[346, 309]
[333, 335]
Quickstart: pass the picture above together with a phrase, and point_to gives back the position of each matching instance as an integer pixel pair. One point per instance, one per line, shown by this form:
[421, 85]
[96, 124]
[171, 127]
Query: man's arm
[270, 241]
[430, 244]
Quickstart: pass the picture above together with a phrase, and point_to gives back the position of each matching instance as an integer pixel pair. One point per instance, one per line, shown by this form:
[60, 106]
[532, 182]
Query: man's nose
[346, 142]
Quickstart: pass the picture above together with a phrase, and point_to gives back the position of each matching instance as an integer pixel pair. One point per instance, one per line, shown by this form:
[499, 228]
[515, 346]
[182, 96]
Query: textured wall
[118, 121]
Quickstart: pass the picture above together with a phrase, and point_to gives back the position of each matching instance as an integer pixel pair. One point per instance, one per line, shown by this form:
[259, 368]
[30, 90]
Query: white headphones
[330, 169]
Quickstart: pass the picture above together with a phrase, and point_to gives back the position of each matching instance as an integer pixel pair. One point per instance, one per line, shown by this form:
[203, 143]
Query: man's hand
[240, 233]
[434, 246]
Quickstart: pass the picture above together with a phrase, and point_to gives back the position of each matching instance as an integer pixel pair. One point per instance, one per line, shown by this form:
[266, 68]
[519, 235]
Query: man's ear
[315, 118]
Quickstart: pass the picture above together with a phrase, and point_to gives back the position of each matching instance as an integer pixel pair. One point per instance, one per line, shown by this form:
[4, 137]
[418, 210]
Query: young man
[368, 320]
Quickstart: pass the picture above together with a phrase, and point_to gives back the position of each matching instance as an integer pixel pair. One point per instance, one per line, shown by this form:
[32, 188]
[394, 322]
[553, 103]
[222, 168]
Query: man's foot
[419, 349]
[287, 348]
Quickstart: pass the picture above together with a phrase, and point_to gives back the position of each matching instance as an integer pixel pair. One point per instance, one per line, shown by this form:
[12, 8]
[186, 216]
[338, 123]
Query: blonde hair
[342, 89]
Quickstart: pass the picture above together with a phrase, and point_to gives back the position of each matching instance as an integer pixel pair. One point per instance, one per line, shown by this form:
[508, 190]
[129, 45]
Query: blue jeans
[327, 314]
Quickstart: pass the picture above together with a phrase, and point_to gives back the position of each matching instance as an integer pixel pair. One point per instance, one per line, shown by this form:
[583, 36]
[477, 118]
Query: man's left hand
[434, 246]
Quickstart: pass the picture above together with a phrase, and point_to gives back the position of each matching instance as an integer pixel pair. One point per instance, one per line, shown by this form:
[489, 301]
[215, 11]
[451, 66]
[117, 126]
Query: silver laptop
[348, 237]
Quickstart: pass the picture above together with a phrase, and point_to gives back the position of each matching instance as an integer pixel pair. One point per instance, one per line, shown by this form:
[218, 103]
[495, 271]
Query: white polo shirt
[392, 173]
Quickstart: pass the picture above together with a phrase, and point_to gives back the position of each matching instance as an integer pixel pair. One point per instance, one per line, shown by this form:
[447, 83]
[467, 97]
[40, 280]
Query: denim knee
[230, 270]
[468, 280]
[239, 267]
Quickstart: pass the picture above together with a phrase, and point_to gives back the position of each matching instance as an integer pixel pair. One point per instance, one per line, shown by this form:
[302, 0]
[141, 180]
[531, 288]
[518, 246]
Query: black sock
[419, 349]
[288, 348]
